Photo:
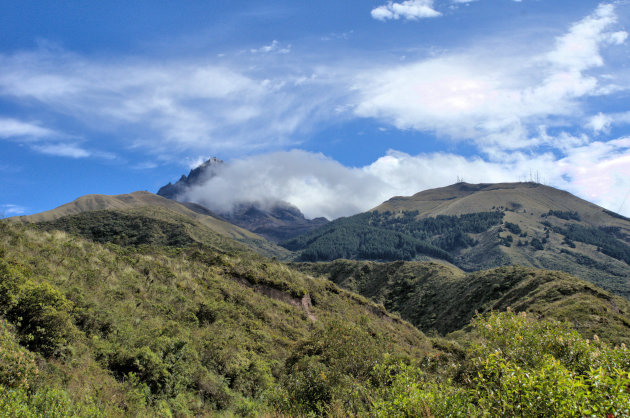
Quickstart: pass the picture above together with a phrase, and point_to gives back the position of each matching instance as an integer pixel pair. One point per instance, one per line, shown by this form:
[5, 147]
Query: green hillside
[143, 217]
[437, 297]
[477, 227]
[144, 329]
[385, 236]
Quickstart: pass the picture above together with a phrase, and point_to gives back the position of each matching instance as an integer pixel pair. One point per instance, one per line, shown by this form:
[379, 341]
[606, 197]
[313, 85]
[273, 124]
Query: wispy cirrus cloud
[14, 128]
[9, 209]
[170, 107]
[41, 139]
[62, 150]
[408, 10]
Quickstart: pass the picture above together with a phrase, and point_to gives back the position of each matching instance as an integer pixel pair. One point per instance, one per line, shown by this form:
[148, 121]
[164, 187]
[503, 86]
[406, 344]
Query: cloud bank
[321, 186]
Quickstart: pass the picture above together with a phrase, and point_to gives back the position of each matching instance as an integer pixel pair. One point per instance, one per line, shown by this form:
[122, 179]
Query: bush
[49, 403]
[545, 368]
[17, 365]
[39, 311]
[519, 367]
[332, 369]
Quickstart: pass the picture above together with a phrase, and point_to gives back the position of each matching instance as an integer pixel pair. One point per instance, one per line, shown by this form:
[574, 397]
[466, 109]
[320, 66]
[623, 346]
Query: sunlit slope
[198, 225]
[482, 226]
[196, 331]
[531, 198]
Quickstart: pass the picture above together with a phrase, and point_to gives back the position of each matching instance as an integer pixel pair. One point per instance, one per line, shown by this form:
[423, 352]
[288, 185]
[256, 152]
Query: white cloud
[320, 186]
[171, 107]
[9, 209]
[602, 121]
[409, 10]
[13, 128]
[62, 150]
[40, 139]
[488, 95]
[579, 49]
[274, 46]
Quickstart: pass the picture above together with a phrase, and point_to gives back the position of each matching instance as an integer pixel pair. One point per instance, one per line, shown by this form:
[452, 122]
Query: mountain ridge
[482, 226]
[277, 221]
[148, 205]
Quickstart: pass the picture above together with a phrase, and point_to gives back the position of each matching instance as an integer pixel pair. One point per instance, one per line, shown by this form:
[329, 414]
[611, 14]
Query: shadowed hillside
[434, 296]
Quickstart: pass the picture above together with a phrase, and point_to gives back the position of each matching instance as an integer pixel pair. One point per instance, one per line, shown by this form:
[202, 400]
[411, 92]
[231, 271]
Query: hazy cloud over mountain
[320, 186]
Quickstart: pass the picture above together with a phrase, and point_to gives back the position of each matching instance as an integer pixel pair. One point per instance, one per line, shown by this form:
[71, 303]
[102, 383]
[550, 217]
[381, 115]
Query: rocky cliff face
[276, 222]
[197, 175]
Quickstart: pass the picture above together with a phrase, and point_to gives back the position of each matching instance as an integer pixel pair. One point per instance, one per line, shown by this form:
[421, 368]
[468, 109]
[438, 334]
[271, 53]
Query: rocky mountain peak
[277, 221]
[197, 175]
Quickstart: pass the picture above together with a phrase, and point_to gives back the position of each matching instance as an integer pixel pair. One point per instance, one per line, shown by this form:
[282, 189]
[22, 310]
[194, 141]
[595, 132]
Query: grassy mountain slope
[151, 330]
[154, 216]
[434, 296]
[90, 329]
[482, 226]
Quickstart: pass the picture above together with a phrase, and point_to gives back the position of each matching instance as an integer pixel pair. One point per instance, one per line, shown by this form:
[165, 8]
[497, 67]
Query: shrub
[17, 365]
[520, 366]
[50, 403]
[39, 311]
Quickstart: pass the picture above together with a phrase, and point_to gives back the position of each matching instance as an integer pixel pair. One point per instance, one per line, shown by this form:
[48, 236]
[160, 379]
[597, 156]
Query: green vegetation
[388, 236]
[122, 228]
[567, 215]
[436, 297]
[602, 239]
[587, 261]
[144, 218]
[513, 228]
[158, 226]
[156, 315]
[154, 331]
[519, 366]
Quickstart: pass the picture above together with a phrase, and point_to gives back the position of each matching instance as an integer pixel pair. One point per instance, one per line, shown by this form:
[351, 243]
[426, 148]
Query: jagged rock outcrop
[276, 222]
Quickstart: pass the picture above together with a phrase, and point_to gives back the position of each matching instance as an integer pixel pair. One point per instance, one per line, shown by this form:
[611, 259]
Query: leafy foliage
[520, 366]
[158, 331]
[40, 312]
[17, 365]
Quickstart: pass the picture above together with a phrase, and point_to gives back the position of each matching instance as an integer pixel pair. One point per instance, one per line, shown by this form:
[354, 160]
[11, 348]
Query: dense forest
[388, 236]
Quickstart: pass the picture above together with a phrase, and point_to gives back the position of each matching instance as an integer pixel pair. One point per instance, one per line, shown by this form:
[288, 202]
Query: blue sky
[332, 106]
